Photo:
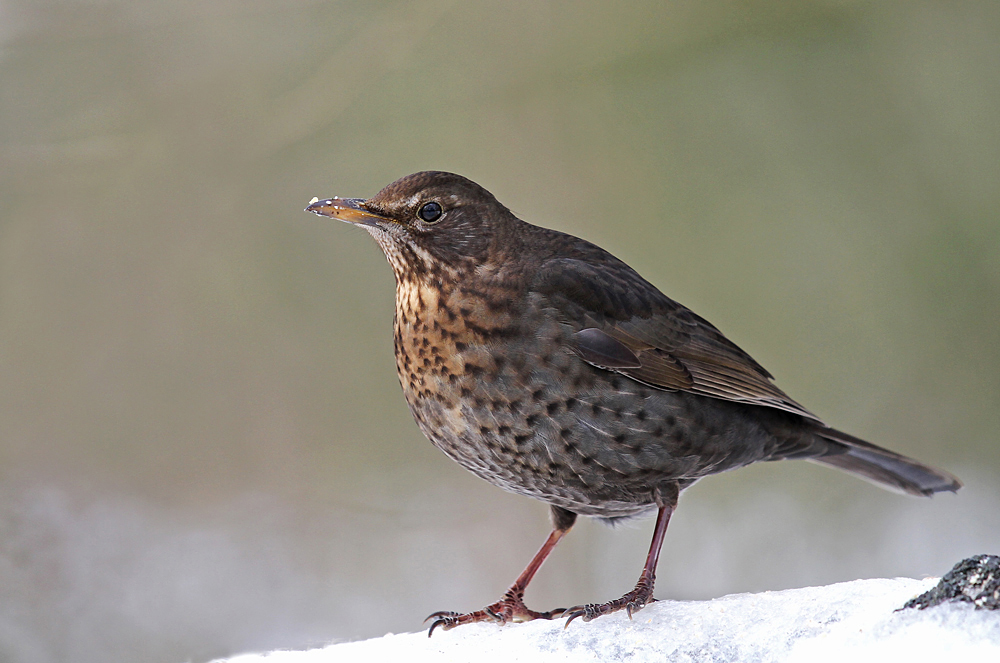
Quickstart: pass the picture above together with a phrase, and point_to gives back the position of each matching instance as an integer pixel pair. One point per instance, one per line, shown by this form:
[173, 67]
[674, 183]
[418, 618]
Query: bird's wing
[624, 324]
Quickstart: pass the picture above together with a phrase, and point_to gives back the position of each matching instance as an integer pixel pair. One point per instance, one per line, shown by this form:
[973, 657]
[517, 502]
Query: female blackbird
[548, 367]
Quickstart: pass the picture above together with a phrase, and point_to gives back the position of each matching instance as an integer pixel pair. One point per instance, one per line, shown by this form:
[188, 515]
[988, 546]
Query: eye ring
[430, 212]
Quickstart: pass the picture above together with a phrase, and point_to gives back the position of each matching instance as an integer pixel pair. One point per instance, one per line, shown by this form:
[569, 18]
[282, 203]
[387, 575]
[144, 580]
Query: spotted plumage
[548, 367]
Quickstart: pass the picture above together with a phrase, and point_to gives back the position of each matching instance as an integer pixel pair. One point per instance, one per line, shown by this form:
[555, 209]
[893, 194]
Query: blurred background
[203, 445]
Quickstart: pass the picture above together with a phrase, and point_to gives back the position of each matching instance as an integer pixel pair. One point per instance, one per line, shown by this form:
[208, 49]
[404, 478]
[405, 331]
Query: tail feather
[883, 467]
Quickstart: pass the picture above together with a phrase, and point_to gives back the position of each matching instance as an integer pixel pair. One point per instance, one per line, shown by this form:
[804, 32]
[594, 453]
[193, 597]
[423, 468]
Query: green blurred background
[203, 445]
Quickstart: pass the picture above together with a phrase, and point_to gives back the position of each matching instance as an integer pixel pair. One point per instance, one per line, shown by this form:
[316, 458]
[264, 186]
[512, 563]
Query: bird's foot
[631, 602]
[510, 608]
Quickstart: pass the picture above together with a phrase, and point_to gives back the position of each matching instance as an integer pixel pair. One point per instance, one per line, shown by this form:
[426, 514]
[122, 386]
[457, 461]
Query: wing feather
[674, 348]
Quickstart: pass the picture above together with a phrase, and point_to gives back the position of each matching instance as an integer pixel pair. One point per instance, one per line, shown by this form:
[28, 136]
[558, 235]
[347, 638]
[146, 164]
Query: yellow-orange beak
[351, 210]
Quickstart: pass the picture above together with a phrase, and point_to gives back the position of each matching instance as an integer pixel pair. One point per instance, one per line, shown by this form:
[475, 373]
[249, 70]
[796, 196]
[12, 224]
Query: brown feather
[676, 349]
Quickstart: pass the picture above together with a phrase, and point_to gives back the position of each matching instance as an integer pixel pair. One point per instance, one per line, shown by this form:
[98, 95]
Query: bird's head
[427, 222]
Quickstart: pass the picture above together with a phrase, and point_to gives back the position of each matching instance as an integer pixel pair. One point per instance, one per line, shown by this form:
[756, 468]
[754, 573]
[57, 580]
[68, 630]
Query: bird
[548, 367]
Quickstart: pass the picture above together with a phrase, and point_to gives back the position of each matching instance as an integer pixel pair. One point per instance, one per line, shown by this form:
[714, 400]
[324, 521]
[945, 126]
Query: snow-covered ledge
[852, 621]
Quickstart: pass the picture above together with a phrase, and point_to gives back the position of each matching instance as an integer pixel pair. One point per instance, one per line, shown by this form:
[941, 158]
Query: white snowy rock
[852, 621]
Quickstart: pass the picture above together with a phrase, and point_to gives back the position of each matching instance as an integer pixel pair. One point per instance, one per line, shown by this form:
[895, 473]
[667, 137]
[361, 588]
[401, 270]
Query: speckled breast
[491, 381]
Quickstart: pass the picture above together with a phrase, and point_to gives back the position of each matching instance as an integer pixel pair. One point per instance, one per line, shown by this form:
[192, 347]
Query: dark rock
[975, 580]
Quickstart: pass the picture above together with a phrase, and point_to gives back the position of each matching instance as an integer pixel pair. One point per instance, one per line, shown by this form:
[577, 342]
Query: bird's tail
[883, 467]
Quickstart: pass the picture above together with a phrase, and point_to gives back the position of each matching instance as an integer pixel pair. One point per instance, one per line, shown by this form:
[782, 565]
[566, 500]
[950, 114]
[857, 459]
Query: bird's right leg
[511, 607]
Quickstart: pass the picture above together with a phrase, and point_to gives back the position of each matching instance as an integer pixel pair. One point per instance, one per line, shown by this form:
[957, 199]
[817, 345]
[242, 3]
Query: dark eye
[429, 212]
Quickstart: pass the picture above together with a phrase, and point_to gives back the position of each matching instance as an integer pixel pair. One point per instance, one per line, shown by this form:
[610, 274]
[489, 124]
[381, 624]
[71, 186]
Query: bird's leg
[643, 593]
[511, 607]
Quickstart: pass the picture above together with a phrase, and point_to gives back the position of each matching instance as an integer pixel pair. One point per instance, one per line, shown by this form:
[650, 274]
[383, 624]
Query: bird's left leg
[643, 593]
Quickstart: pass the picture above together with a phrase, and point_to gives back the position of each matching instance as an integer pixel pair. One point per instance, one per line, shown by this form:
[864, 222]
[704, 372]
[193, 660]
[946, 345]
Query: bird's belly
[550, 426]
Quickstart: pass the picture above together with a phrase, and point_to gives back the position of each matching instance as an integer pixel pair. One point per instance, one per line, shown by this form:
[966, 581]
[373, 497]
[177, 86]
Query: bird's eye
[429, 212]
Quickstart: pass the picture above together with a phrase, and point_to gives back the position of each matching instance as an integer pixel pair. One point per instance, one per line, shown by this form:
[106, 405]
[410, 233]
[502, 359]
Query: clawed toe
[439, 614]
[632, 602]
[448, 620]
[584, 611]
[510, 608]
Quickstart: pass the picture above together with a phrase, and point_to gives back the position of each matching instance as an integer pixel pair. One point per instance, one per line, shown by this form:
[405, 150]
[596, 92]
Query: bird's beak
[351, 210]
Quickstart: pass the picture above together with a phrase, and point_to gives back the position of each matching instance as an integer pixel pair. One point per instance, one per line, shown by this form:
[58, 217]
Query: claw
[510, 608]
[588, 612]
[439, 622]
[573, 614]
[439, 614]
[632, 603]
